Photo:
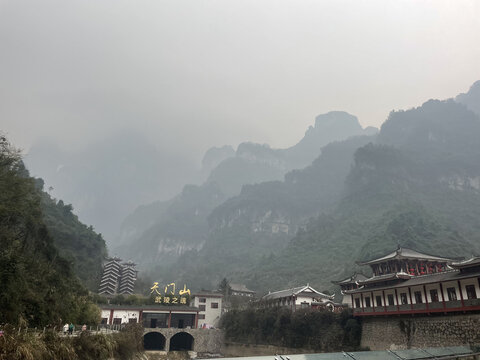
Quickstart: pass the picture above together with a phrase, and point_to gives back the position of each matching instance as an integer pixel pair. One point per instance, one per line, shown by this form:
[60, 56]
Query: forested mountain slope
[39, 287]
[260, 222]
[162, 231]
[418, 186]
[415, 184]
[77, 243]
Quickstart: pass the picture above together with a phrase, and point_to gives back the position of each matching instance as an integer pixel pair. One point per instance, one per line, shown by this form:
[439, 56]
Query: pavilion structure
[406, 281]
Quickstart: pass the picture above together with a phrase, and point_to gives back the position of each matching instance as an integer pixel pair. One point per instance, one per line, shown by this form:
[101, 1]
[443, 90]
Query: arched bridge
[171, 339]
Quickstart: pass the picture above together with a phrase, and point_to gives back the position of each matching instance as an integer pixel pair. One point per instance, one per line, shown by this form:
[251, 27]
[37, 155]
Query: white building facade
[210, 308]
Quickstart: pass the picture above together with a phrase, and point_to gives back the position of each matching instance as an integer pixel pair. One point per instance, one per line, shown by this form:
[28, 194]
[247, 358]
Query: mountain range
[162, 231]
[416, 183]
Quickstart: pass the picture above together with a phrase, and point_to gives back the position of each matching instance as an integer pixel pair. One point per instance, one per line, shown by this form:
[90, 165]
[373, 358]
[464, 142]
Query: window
[471, 294]
[117, 321]
[367, 302]
[201, 307]
[104, 321]
[403, 298]
[202, 300]
[357, 302]
[418, 297]
[390, 300]
[214, 305]
[434, 295]
[132, 321]
[452, 294]
[378, 299]
[201, 316]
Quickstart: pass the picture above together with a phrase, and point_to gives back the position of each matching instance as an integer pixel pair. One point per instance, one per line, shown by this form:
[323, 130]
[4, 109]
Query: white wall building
[210, 308]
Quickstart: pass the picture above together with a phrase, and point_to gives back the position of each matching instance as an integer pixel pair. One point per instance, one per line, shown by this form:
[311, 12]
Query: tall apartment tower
[117, 278]
[127, 278]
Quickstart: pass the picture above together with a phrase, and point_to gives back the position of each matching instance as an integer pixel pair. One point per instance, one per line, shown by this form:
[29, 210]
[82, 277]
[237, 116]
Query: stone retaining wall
[205, 340]
[388, 333]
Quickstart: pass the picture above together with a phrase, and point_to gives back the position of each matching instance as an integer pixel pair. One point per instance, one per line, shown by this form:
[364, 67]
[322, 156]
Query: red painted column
[384, 302]
[443, 297]
[196, 321]
[373, 301]
[410, 295]
[396, 298]
[426, 298]
[461, 293]
[140, 317]
[361, 296]
[111, 317]
[353, 305]
[170, 319]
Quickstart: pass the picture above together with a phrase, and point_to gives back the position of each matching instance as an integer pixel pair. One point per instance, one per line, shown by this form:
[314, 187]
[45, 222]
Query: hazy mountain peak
[472, 98]
[214, 156]
[334, 118]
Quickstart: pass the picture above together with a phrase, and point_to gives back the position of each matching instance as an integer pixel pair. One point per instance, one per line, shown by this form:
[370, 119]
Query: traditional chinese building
[241, 290]
[300, 297]
[117, 277]
[409, 282]
[350, 283]
[210, 308]
[151, 316]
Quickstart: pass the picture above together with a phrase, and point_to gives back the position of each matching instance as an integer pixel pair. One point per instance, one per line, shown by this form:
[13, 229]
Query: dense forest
[39, 286]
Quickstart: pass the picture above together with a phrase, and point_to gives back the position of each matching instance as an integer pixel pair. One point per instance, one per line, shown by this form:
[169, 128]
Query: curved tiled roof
[405, 253]
[351, 280]
[474, 261]
[295, 291]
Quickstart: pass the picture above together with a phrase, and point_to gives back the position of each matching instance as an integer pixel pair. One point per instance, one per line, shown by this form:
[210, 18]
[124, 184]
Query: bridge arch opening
[154, 341]
[181, 341]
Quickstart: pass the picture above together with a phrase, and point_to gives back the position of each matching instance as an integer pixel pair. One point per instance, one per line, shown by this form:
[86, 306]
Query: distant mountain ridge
[107, 180]
[470, 99]
[168, 229]
[416, 183]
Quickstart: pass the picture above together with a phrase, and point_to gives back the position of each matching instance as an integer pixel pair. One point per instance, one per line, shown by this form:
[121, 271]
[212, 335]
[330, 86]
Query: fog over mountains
[278, 217]
[107, 180]
[163, 230]
[416, 183]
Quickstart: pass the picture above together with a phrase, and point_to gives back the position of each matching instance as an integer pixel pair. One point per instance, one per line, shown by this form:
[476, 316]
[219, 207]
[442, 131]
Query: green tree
[224, 288]
[38, 285]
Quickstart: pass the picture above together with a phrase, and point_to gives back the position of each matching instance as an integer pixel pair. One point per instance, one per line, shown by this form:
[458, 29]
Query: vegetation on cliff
[39, 286]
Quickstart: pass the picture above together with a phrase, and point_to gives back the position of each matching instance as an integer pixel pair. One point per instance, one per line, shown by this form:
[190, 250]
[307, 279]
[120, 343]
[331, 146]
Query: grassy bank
[49, 345]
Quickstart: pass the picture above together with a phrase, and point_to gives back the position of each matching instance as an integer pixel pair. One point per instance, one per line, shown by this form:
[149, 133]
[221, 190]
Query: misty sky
[192, 74]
